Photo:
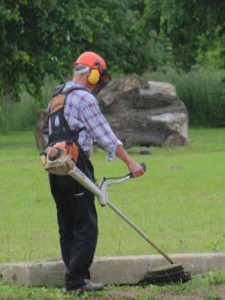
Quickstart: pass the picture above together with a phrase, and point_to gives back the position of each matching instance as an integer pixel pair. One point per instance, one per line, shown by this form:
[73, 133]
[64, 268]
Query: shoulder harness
[57, 104]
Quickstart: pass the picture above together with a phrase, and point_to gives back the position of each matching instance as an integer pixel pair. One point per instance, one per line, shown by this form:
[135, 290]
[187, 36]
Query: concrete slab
[109, 270]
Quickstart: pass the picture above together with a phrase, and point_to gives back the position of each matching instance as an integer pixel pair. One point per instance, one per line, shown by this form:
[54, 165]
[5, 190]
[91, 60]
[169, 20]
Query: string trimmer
[59, 162]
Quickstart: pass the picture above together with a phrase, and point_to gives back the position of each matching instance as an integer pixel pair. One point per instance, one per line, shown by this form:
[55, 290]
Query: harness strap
[58, 103]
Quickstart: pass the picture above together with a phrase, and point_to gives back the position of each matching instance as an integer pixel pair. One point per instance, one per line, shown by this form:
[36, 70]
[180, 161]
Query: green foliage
[28, 44]
[211, 53]
[203, 92]
[22, 115]
[160, 56]
[40, 38]
[18, 116]
[191, 26]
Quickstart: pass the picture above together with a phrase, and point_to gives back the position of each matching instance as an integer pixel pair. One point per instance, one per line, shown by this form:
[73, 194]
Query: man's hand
[135, 168]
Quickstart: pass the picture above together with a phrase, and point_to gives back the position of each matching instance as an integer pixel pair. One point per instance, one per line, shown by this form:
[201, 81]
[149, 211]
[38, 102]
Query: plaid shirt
[82, 111]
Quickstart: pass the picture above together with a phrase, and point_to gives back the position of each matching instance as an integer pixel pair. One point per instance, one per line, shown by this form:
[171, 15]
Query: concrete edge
[109, 270]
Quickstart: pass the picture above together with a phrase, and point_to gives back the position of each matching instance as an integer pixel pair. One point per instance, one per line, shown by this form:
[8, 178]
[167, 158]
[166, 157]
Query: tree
[40, 38]
[187, 24]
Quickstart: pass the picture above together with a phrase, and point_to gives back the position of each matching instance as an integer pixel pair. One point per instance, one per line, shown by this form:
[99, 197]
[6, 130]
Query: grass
[211, 286]
[179, 203]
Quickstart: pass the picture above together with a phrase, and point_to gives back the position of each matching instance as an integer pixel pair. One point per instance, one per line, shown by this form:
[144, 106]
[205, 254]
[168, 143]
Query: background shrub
[22, 115]
[18, 115]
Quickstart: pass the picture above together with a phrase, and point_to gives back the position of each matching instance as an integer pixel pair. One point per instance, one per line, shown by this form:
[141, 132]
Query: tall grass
[18, 116]
[22, 115]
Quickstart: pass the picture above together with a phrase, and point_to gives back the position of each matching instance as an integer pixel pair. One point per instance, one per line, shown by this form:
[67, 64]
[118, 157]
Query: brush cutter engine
[60, 158]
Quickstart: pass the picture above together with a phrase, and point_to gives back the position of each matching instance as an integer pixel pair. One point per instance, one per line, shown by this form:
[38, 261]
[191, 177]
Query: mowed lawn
[179, 203]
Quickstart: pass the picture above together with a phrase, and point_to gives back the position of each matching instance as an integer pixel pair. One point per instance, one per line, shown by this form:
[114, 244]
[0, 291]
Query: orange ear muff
[94, 76]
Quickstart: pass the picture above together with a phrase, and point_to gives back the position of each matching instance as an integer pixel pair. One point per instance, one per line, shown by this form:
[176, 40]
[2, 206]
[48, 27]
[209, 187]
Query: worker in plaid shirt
[84, 112]
[76, 212]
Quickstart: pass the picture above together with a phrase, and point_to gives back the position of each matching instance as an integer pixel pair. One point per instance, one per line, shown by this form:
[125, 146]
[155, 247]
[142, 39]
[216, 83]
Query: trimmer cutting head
[167, 274]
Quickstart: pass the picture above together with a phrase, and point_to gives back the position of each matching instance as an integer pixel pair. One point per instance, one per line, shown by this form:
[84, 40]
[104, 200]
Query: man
[81, 119]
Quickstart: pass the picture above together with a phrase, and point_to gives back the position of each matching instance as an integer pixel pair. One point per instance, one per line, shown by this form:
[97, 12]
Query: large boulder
[145, 112]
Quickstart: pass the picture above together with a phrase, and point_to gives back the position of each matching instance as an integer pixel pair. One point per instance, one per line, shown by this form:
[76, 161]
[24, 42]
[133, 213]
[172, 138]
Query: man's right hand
[135, 168]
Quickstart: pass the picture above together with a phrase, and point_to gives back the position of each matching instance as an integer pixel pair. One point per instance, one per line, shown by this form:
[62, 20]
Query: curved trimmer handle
[99, 190]
[106, 182]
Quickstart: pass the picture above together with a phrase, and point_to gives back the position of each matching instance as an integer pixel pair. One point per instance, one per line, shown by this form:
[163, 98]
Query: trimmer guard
[167, 274]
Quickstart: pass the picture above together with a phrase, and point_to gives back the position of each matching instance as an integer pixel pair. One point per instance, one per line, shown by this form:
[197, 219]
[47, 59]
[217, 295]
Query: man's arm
[135, 168]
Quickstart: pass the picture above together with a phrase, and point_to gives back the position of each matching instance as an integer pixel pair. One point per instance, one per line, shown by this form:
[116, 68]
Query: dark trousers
[78, 225]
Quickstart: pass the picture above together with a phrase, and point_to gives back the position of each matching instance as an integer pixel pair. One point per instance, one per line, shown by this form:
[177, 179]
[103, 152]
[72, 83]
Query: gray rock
[145, 112]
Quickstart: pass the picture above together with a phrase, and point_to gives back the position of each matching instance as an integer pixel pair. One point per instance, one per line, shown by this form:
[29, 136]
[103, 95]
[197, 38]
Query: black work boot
[91, 286]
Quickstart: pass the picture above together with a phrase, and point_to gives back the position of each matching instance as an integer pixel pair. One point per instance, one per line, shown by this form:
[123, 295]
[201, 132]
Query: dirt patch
[220, 291]
[167, 296]
[131, 295]
[125, 295]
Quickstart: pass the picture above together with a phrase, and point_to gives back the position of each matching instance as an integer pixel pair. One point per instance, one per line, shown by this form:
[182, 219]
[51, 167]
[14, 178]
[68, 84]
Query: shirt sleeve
[98, 127]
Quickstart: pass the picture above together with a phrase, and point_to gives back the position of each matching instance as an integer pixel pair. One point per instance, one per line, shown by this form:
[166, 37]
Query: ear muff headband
[94, 76]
